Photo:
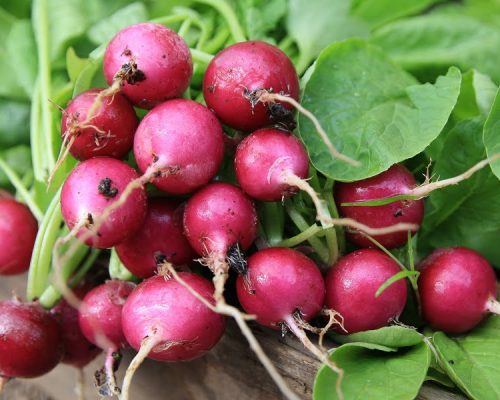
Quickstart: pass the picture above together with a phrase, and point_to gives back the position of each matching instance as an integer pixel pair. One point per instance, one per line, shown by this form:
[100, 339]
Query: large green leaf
[374, 375]
[428, 45]
[379, 12]
[14, 123]
[316, 24]
[467, 214]
[371, 110]
[491, 134]
[471, 361]
[390, 336]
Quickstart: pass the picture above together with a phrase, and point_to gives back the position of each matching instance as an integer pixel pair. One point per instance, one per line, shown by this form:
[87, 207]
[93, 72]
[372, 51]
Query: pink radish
[351, 285]
[242, 69]
[18, 230]
[30, 340]
[162, 320]
[287, 291]
[109, 132]
[457, 289]
[269, 163]
[216, 218]
[149, 63]
[160, 238]
[100, 319]
[397, 180]
[182, 142]
[93, 190]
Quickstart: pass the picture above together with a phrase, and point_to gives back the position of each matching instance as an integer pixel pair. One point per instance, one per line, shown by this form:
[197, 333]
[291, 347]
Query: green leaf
[14, 123]
[261, 16]
[316, 24]
[371, 110]
[391, 336]
[467, 214]
[471, 360]
[491, 134]
[379, 12]
[476, 96]
[374, 374]
[106, 28]
[428, 45]
[74, 64]
[434, 375]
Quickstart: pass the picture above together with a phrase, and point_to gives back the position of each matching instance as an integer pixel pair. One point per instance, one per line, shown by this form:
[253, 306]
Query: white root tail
[147, 345]
[321, 355]
[265, 96]
[80, 384]
[493, 306]
[334, 318]
[3, 381]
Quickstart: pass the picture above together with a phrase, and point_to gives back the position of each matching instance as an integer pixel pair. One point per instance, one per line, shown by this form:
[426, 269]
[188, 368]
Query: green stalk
[201, 56]
[184, 28]
[310, 232]
[41, 30]
[36, 147]
[230, 16]
[273, 222]
[217, 42]
[21, 190]
[117, 270]
[48, 233]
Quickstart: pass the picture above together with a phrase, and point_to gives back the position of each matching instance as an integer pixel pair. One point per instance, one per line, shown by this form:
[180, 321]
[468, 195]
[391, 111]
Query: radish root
[334, 318]
[266, 97]
[3, 381]
[322, 355]
[147, 345]
[80, 384]
[493, 306]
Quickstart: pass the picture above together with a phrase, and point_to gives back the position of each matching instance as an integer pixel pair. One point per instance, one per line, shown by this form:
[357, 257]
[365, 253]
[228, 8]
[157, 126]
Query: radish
[18, 230]
[397, 180]
[109, 132]
[160, 238]
[149, 63]
[288, 290]
[216, 218]
[94, 206]
[30, 340]
[162, 320]
[179, 145]
[238, 71]
[100, 319]
[78, 351]
[457, 289]
[351, 285]
[269, 163]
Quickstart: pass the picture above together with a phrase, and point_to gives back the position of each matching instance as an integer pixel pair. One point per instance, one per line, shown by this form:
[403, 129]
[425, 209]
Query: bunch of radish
[171, 207]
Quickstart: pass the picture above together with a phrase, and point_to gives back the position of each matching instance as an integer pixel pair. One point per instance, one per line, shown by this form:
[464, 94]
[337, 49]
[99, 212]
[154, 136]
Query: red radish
[109, 132]
[185, 139]
[150, 62]
[397, 180]
[457, 289]
[241, 69]
[287, 291]
[351, 285]
[30, 340]
[18, 230]
[162, 320]
[100, 319]
[216, 218]
[284, 282]
[268, 162]
[160, 238]
[78, 351]
[93, 190]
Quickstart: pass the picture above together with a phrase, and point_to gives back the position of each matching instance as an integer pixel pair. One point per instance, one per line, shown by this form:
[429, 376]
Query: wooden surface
[230, 371]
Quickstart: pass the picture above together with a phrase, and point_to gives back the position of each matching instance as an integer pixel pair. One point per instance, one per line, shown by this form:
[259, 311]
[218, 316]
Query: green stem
[312, 231]
[51, 295]
[48, 233]
[217, 42]
[301, 223]
[117, 270]
[376, 243]
[201, 56]
[184, 28]
[273, 222]
[21, 190]
[230, 16]
[171, 19]
[286, 44]
[41, 29]
[333, 246]
[36, 147]
[339, 240]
